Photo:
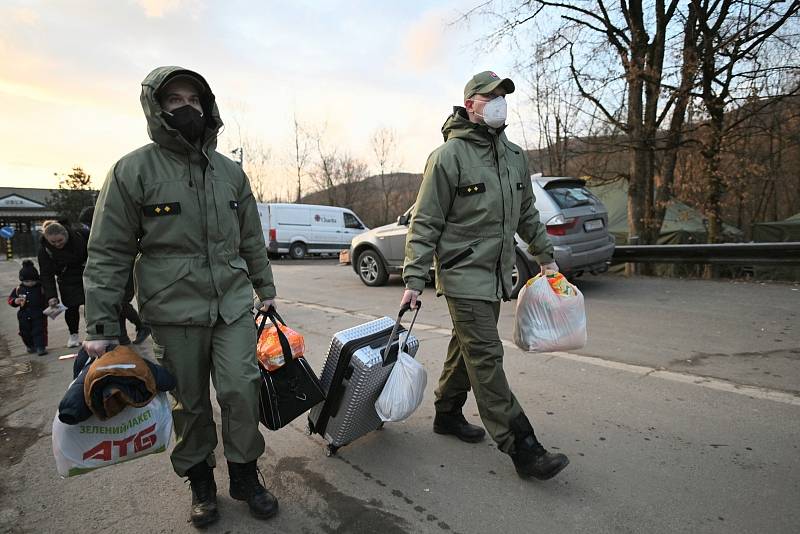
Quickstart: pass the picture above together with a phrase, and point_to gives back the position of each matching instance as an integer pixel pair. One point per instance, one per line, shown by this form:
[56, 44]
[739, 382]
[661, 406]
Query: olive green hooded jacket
[185, 219]
[475, 194]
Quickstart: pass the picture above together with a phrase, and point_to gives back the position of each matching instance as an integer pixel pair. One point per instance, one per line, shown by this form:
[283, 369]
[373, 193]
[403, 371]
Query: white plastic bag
[54, 311]
[547, 321]
[132, 433]
[403, 391]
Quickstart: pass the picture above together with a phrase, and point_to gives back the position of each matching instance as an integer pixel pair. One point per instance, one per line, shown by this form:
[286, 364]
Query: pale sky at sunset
[70, 74]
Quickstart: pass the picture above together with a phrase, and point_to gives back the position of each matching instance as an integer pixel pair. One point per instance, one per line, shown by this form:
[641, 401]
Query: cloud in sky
[70, 75]
[423, 45]
[158, 8]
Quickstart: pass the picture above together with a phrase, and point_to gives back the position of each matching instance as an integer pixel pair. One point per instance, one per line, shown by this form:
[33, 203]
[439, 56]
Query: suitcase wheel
[380, 426]
[331, 450]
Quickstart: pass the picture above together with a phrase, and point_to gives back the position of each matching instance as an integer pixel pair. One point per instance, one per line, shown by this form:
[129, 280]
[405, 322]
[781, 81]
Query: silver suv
[576, 221]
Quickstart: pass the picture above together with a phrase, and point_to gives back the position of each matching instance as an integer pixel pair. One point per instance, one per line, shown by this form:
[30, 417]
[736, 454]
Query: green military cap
[187, 76]
[484, 83]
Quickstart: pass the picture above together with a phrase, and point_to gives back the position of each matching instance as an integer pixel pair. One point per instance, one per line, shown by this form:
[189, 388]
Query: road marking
[716, 384]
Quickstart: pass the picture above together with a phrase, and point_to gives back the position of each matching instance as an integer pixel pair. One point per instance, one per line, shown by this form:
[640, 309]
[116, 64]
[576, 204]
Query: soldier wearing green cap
[475, 195]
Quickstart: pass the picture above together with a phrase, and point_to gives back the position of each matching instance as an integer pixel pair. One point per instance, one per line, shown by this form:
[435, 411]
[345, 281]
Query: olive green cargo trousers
[226, 354]
[475, 361]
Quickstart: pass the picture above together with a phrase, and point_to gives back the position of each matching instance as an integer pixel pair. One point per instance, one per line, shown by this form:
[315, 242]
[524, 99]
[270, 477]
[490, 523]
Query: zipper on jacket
[499, 268]
[189, 164]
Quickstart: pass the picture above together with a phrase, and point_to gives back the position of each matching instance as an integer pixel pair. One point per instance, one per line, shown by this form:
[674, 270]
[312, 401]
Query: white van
[301, 229]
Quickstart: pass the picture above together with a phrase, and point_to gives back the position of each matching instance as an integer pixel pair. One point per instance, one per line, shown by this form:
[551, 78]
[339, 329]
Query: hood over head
[158, 129]
[458, 126]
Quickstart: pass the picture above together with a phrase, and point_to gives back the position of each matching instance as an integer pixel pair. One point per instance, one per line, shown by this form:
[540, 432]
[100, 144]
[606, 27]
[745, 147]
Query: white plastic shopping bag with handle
[402, 394]
[132, 433]
[550, 315]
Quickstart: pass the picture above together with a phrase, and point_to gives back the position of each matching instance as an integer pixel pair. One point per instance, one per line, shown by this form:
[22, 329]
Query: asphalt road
[680, 415]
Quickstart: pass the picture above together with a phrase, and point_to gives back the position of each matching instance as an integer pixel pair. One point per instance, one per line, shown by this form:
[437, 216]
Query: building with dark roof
[24, 209]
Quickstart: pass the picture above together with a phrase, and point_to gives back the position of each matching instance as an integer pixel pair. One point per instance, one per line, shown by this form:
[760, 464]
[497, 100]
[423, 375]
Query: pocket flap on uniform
[152, 277]
[472, 189]
[457, 258]
[239, 263]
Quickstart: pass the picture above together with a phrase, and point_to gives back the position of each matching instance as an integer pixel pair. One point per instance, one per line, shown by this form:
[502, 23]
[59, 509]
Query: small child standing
[29, 298]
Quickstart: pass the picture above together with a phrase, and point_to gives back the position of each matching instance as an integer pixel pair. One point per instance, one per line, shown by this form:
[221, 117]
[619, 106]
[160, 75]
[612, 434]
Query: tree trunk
[665, 180]
[637, 179]
[637, 188]
[299, 196]
[712, 176]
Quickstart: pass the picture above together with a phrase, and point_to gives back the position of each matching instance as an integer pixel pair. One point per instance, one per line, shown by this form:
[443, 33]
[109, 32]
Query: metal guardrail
[724, 253]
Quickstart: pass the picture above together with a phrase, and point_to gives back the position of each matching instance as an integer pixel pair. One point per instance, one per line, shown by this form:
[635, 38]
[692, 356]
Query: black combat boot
[204, 495]
[530, 458]
[245, 486]
[454, 423]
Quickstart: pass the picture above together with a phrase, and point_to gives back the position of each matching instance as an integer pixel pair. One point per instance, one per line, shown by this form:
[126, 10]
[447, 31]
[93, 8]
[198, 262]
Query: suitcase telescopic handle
[385, 354]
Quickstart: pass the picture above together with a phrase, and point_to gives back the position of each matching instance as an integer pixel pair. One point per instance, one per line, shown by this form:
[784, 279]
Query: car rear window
[571, 194]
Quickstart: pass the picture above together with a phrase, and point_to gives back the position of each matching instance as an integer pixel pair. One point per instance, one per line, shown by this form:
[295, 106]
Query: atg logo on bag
[104, 451]
[93, 444]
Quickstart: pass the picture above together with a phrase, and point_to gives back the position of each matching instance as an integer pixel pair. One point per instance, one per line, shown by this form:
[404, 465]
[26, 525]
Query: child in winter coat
[29, 298]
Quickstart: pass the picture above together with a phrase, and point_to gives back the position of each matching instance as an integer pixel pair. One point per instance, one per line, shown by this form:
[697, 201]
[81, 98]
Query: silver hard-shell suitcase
[356, 369]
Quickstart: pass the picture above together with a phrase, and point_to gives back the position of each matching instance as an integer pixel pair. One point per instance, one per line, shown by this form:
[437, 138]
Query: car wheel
[371, 269]
[520, 275]
[297, 251]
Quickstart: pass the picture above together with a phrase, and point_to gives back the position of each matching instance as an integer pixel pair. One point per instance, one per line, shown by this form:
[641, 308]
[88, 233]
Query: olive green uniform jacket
[475, 194]
[184, 217]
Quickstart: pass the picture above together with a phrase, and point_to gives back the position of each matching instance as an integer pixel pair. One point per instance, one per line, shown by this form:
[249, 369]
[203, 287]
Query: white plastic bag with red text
[132, 433]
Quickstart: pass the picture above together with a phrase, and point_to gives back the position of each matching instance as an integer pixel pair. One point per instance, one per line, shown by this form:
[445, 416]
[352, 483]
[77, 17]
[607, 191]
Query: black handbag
[292, 389]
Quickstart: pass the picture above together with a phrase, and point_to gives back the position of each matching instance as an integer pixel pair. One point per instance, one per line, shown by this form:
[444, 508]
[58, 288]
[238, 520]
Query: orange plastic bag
[269, 351]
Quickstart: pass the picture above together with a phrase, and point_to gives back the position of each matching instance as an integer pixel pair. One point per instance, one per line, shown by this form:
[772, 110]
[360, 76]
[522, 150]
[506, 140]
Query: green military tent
[776, 232]
[682, 223]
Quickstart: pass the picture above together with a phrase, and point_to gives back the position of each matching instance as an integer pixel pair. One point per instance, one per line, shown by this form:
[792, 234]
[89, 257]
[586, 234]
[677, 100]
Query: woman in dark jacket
[62, 258]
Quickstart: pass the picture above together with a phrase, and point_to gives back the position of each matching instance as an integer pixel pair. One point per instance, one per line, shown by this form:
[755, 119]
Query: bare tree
[560, 114]
[301, 152]
[681, 98]
[348, 179]
[252, 154]
[743, 49]
[616, 61]
[255, 160]
[384, 147]
[324, 175]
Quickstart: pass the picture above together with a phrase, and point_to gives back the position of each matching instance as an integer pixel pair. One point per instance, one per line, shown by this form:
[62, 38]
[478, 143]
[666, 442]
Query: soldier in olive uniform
[190, 213]
[475, 194]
